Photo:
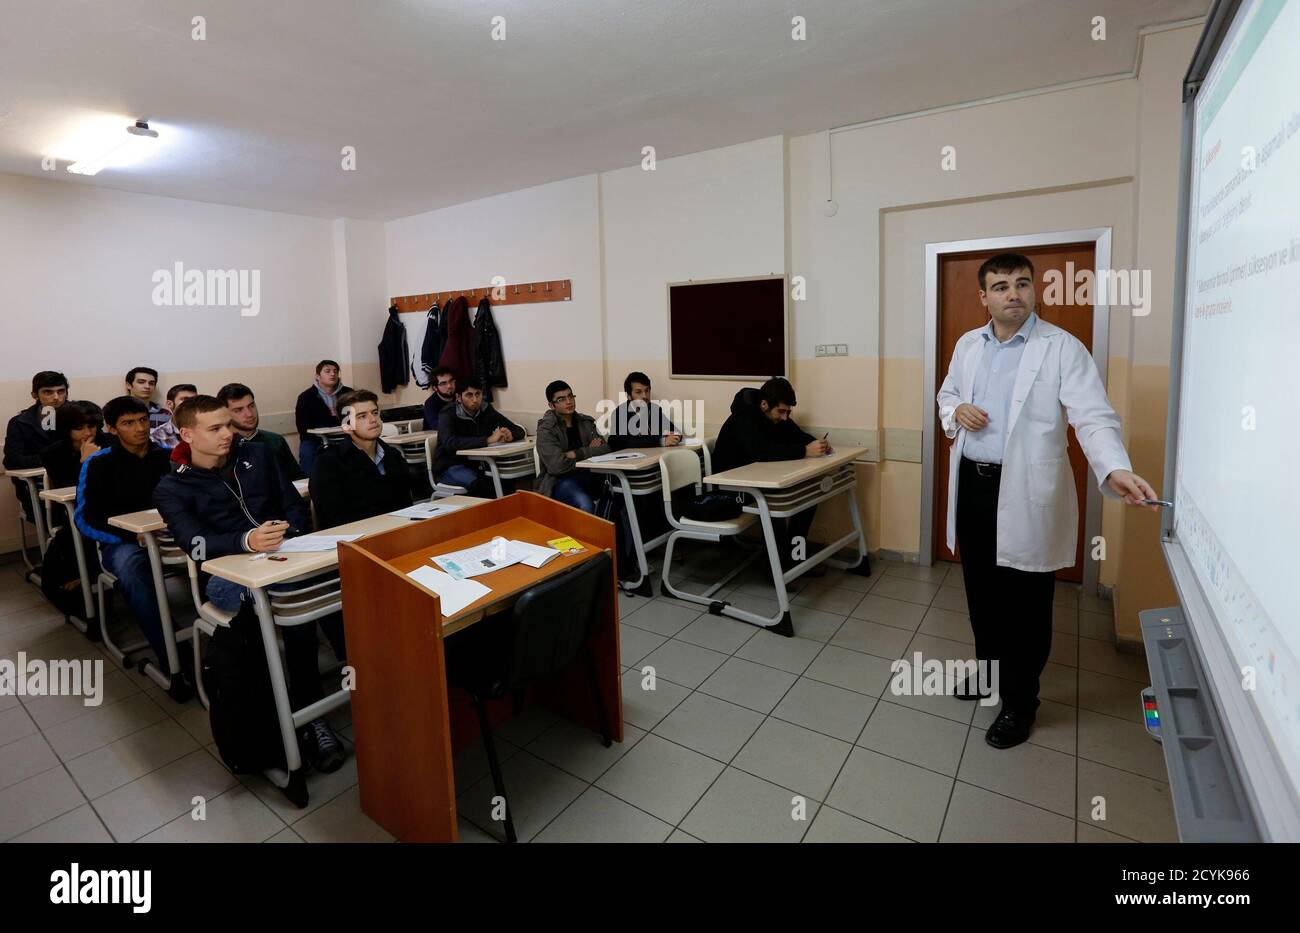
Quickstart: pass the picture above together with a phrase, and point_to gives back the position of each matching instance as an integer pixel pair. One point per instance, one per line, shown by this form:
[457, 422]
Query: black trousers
[787, 529]
[1010, 610]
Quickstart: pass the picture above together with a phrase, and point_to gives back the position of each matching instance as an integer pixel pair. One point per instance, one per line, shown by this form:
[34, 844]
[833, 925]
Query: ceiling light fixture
[123, 150]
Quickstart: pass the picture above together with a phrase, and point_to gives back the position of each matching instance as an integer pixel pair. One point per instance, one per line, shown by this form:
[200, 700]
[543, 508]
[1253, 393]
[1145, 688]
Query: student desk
[34, 478]
[406, 724]
[513, 460]
[783, 488]
[260, 574]
[638, 477]
[148, 524]
[67, 497]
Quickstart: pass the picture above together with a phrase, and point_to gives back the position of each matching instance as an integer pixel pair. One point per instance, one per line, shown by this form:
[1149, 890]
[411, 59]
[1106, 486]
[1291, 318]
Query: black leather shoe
[968, 690]
[1011, 728]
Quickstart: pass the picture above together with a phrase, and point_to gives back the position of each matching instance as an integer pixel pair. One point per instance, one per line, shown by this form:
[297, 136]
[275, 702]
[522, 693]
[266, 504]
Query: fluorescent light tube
[137, 141]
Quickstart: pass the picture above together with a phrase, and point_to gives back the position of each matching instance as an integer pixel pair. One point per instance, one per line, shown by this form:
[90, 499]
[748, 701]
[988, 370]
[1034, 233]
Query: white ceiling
[439, 113]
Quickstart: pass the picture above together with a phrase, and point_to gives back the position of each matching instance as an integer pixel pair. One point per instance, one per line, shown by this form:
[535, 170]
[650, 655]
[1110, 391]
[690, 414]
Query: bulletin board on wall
[728, 328]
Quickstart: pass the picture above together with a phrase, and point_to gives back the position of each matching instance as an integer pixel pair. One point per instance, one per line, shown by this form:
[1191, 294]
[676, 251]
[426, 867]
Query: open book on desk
[494, 555]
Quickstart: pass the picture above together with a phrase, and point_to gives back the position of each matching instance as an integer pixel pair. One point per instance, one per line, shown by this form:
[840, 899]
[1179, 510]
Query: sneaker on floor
[321, 747]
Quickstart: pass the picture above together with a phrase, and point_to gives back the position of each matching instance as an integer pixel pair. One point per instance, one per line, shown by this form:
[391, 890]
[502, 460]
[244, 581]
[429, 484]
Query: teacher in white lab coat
[1011, 387]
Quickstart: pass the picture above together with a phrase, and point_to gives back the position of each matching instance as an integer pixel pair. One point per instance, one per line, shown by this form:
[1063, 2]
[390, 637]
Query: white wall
[77, 263]
[710, 215]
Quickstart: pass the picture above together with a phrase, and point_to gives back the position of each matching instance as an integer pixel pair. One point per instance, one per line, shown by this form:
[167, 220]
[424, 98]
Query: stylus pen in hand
[1163, 503]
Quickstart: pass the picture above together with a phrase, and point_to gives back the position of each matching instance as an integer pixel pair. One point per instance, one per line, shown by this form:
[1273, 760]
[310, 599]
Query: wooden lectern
[406, 725]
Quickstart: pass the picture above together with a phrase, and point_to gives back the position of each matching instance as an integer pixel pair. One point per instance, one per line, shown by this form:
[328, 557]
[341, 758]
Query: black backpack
[242, 704]
[60, 566]
[714, 506]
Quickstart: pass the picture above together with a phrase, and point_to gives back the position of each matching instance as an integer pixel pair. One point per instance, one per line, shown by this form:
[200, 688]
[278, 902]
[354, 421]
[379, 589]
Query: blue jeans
[309, 448]
[475, 482]
[299, 640]
[130, 564]
[579, 489]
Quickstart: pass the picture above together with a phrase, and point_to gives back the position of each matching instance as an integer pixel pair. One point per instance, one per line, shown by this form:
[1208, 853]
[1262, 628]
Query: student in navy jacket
[236, 500]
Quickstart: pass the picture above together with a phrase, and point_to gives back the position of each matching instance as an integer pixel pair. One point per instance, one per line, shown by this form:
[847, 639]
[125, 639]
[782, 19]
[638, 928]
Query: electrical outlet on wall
[823, 349]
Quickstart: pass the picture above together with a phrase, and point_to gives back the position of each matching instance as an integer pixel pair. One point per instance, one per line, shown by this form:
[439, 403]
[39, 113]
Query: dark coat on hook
[458, 349]
[489, 362]
[435, 334]
[393, 353]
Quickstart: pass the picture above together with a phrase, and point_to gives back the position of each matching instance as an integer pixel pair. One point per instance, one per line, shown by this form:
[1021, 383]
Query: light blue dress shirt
[995, 380]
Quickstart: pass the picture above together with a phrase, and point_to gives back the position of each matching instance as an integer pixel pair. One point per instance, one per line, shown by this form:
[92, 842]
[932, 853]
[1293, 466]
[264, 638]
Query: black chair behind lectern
[536, 639]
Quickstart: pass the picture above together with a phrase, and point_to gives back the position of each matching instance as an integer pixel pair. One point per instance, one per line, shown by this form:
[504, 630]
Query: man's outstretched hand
[1132, 487]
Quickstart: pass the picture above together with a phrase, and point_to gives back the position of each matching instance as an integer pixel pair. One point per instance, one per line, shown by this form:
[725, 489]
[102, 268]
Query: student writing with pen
[760, 428]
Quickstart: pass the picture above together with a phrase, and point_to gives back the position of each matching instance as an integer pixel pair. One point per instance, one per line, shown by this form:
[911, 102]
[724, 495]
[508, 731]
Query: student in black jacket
[317, 407]
[230, 500]
[246, 422]
[639, 422]
[468, 424]
[361, 476]
[760, 429]
[77, 429]
[115, 481]
[32, 430]
[443, 383]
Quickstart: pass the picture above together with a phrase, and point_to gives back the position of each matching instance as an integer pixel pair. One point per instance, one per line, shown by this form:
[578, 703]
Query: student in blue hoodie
[235, 499]
[119, 479]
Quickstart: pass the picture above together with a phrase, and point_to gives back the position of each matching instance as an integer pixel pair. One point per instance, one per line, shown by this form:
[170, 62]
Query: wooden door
[959, 311]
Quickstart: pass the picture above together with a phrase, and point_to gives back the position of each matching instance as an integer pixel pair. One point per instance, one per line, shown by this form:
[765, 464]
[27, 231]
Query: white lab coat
[1038, 514]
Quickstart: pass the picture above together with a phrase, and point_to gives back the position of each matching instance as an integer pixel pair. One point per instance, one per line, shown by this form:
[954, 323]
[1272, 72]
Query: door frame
[1101, 239]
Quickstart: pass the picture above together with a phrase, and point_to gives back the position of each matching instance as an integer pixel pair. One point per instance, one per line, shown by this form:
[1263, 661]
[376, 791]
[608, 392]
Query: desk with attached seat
[781, 489]
[638, 477]
[511, 460]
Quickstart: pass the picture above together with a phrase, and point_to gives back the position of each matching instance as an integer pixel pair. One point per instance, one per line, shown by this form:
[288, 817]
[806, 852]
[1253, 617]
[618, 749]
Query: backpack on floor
[242, 704]
[59, 566]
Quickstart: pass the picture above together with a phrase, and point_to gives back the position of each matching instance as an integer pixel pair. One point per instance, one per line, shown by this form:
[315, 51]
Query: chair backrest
[551, 622]
[678, 468]
[389, 430]
[709, 444]
[430, 443]
[537, 463]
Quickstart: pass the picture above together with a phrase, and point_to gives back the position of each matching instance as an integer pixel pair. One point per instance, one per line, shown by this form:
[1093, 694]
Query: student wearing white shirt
[1011, 388]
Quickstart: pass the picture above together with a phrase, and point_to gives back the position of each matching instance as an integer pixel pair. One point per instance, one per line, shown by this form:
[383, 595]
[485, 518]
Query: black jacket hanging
[393, 353]
[430, 348]
[489, 361]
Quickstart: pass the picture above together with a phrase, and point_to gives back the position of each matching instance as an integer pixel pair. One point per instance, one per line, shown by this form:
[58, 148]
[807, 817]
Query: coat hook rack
[513, 293]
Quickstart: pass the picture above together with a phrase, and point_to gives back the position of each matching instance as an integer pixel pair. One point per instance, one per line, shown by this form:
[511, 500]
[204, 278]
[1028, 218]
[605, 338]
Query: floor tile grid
[145, 687]
[884, 568]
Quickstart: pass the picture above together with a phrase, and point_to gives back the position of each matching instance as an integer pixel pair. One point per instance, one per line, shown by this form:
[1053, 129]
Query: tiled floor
[744, 736]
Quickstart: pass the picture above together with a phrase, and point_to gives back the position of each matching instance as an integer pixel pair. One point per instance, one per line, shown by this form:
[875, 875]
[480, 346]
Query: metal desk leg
[294, 782]
[641, 587]
[782, 625]
[165, 613]
[862, 566]
[87, 590]
[38, 513]
[496, 477]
